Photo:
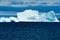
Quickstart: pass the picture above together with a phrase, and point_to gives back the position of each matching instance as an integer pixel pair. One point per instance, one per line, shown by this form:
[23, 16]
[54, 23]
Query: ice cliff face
[35, 16]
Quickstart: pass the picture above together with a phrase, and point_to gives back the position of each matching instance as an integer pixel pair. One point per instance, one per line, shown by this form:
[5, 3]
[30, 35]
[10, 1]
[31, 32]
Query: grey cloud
[22, 3]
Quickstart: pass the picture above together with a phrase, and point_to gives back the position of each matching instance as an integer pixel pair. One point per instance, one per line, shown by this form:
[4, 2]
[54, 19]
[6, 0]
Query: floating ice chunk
[1, 19]
[10, 19]
[32, 15]
[4, 19]
[7, 20]
[13, 19]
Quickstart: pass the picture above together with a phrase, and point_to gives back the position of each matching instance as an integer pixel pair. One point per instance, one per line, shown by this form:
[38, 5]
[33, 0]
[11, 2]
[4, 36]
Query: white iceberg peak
[27, 15]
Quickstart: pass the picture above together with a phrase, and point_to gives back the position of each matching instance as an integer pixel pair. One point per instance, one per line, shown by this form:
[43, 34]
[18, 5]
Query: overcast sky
[23, 3]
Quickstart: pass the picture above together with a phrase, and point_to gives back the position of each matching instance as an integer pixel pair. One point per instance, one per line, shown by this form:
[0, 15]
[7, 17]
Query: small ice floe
[33, 16]
[13, 19]
[7, 20]
[10, 19]
[4, 19]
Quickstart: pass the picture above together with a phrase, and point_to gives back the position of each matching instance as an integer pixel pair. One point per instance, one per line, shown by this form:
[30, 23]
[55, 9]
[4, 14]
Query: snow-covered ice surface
[35, 16]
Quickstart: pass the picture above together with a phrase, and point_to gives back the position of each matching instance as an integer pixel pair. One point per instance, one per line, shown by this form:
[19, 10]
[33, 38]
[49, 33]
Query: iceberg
[31, 16]
[35, 16]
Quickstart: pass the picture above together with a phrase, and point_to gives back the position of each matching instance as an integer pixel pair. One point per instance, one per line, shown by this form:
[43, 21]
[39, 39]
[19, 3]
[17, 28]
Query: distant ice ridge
[35, 16]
